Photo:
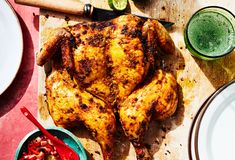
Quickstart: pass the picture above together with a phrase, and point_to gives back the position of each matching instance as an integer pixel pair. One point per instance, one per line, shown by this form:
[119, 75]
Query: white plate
[216, 132]
[11, 45]
[193, 134]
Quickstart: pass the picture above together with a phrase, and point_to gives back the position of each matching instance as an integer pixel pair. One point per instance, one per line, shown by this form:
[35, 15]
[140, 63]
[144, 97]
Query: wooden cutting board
[197, 79]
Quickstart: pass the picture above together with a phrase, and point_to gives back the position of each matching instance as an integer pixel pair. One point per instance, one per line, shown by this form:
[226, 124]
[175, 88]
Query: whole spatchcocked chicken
[104, 69]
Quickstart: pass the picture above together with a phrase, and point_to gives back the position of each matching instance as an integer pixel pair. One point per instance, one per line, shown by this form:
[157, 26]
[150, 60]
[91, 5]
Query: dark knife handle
[65, 6]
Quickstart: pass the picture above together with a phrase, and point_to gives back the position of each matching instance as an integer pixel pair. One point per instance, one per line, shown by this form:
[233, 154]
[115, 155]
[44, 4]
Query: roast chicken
[104, 72]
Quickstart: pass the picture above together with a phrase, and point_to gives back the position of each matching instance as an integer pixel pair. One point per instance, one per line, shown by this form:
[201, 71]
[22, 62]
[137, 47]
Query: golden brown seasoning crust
[67, 57]
[109, 64]
[126, 56]
[91, 69]
[136, 111]
[158, 98]
[89, 58]
[150, 47]
[68, 105]
[164, 41]
[52, 45]
[168, 100]
[158, 94]
[62, 106]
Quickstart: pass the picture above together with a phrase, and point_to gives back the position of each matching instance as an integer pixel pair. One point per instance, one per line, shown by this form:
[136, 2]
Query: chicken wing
[159, 35]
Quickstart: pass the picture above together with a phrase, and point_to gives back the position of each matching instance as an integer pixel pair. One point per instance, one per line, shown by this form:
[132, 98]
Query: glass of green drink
[210, 33]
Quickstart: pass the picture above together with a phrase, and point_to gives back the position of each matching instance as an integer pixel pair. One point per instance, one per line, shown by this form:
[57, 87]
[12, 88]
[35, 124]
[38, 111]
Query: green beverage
[210, 33]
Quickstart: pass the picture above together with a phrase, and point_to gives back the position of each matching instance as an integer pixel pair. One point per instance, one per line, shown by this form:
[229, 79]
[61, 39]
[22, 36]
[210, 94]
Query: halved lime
[119, 5]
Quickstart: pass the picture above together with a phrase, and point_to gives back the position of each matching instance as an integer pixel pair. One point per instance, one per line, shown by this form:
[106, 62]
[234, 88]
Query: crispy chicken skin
[168, 95]
[159, 35]
[69, 105]
[107, 67]
[53, 44]
[91, 70]
[126, 56]
[136, 111]
[106, 58]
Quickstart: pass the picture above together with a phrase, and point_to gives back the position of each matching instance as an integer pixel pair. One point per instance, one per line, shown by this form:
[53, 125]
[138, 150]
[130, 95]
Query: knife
[78, 8]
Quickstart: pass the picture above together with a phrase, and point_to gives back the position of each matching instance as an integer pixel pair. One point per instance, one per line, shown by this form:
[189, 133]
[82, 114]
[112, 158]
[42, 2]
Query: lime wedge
[119, 5]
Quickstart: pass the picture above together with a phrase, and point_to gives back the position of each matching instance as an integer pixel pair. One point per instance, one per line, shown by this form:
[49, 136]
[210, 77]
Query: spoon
[65, 152]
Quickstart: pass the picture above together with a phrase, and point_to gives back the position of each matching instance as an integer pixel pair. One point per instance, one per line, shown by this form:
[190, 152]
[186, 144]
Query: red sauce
[40, 148]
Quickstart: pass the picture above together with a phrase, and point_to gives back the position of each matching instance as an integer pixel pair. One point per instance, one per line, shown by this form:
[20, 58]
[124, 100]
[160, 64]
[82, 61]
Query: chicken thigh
[137, 110]
[68, 105]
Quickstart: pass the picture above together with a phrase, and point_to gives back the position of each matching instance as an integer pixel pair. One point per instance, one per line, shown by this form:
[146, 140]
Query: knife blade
[78, 8]
[102, 15]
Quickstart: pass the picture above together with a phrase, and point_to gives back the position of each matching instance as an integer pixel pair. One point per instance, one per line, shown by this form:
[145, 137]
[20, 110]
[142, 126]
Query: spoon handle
[27, 114]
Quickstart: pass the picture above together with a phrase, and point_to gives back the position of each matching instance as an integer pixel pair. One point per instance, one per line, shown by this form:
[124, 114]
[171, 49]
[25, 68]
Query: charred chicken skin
[69, 105]
[106, 68]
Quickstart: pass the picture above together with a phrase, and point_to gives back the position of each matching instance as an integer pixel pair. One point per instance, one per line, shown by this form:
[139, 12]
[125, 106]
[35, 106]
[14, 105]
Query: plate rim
[203, 111]
[194, 124]
[21, 44]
